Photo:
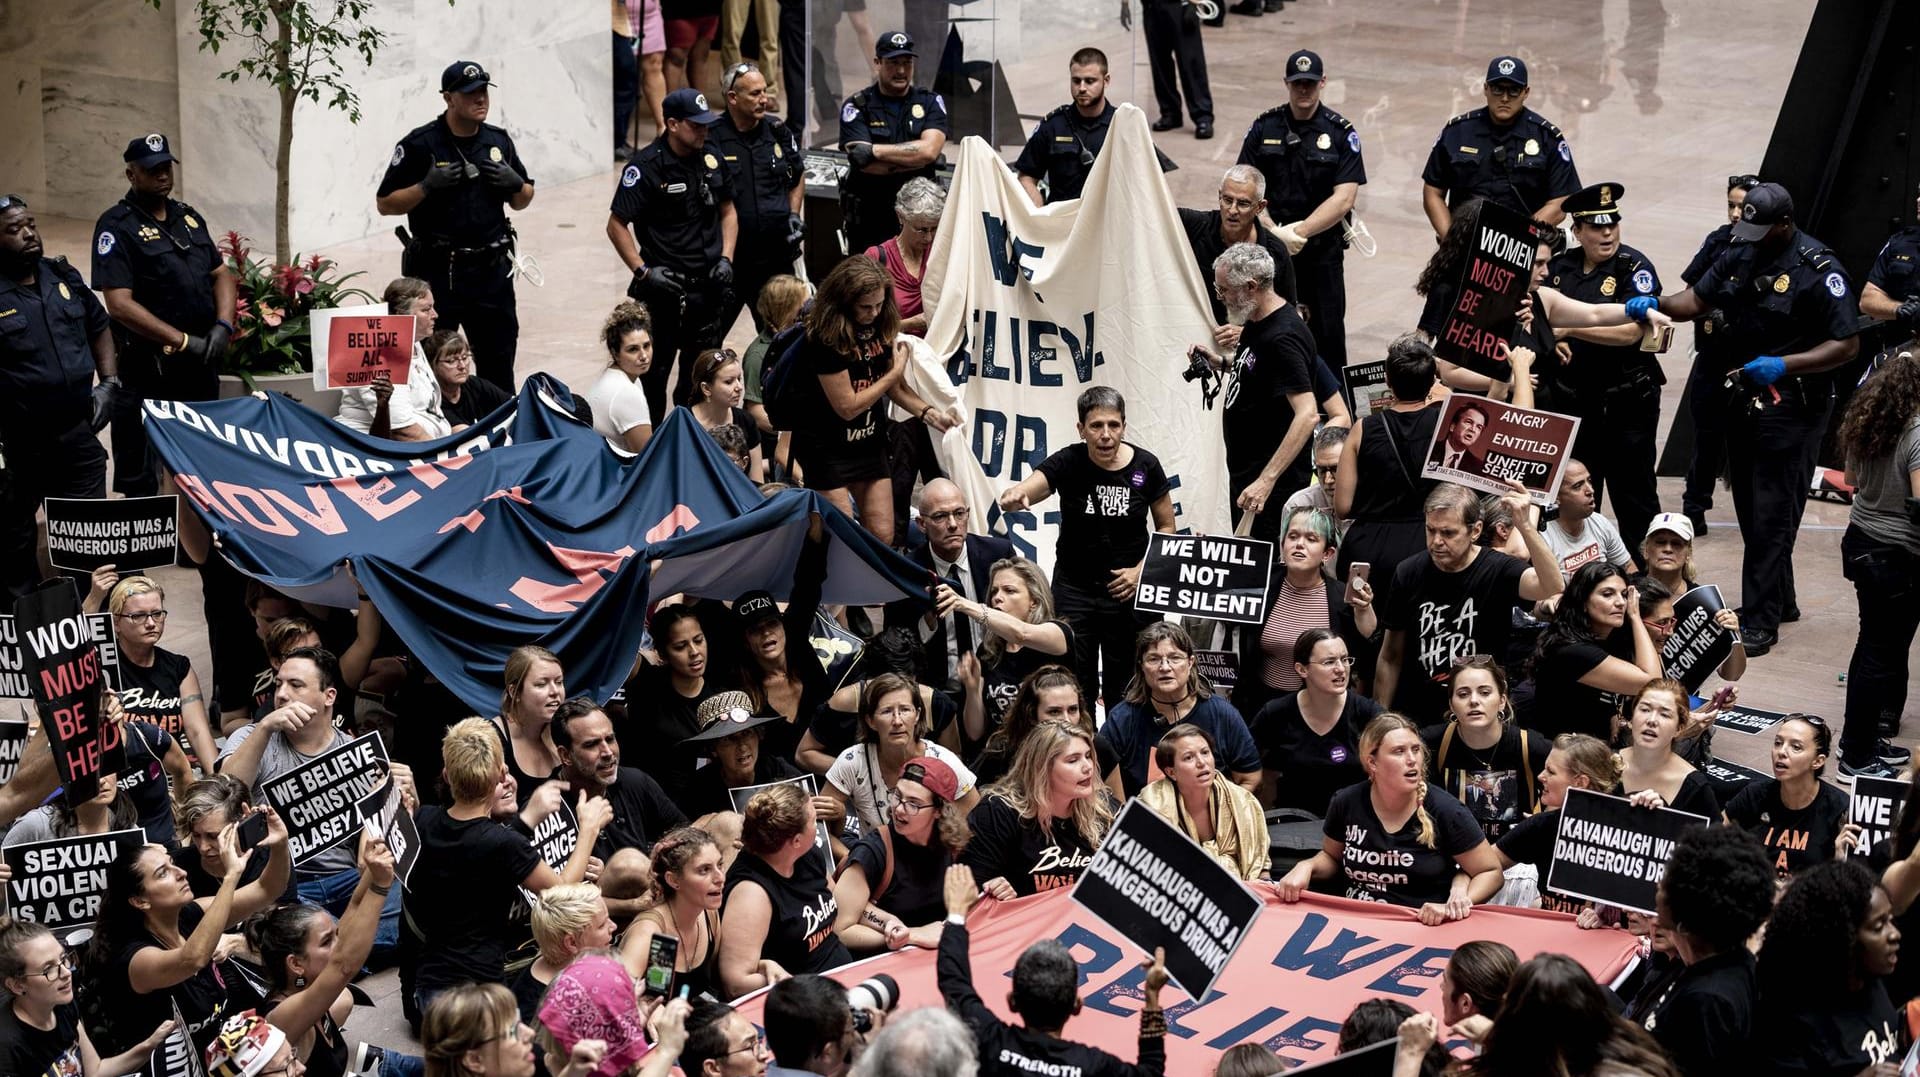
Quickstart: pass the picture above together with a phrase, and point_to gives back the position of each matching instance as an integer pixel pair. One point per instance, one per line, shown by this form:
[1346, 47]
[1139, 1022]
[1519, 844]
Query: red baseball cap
[935, 775]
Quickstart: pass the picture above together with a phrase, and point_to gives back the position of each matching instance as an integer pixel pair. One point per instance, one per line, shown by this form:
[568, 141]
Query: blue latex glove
[1765, 370]
[1639, 305]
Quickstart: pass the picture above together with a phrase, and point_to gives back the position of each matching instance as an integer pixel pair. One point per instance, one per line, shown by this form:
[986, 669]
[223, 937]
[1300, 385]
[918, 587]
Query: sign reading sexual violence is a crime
[129, 533]
[359, 348]
[1484, 443]
[1298, 973]
[61, 662]
[1219, 578]
[1497, 274]
[1612, 852]
[320, 799]
[59, 882]
[1698, 645]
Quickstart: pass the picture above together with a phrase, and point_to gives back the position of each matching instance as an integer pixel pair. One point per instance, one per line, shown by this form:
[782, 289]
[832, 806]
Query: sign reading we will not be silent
[1221, 578]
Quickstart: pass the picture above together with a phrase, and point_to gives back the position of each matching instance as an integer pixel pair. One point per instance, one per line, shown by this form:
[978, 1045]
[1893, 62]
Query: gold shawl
[1239, 824]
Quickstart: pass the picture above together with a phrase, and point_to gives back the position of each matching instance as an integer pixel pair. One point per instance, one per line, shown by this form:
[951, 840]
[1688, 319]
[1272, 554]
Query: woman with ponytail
[689, 883]
[1412, 839]
[1577, 761]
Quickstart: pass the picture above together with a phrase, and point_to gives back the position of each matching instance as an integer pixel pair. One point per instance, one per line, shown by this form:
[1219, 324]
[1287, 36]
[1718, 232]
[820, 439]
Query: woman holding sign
[1577, 761]
[1220, 817]
[40, 1029]
[1799, 818]
[1667, 551]
[1654, 772]
[1397, 840]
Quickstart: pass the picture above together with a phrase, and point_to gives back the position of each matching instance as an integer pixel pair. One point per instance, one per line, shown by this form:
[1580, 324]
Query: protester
[837, 723]
[779, 670]
[474, 1030]
[1025, 637]
[1401, 821]
[1108, 488]
[160, 687]
[782, 915]
[465, 397]
[777, 307]
[1036, 829]
[1654, 716]
[1300, 599]
[1378, 491]
[104, 812]
[1717, 891]
[617, 399]
[689, 883]
[138, 795]
[536, 685]
[1595, 651]
[1376, 1020]
[897, 870]
[1577, 761]
[568, 920]
[719, 390]
[1222, 818]
[919, 206]
[641, 810]
[40, 1028]
[894, 730]
[247, 1045]
[1580, 535]
[1794, 812]
[1050, 693]
[663, 700]
[1045, 995]
[1898, 865]
[1309, 740]
[205, 808]
[1167, 690]
[410, 411]
[1249, 1060]
[927, 1042]
[592, 1018]
[1480, 754]
[1475, 980]
[1824, 1009]
[1328, 442]
[1657, 613]
[733, 738]
[721, 1042]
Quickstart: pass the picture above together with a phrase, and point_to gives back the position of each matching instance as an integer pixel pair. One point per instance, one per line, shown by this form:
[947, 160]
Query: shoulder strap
[1440, 757]
[1526, 771]
[1393, 446]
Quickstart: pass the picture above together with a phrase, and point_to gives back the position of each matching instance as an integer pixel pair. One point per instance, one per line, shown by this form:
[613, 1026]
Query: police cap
[896, 43]
[1305, 66]
[1598, 204]
[148, 151]
[464, 76]
[1766, 205]
[1508, 69]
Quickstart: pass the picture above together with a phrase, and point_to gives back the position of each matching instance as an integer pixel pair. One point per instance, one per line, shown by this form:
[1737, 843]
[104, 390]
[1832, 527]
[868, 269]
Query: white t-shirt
[417, 403]
[1599, 541]
[619, 405]
[857, 771]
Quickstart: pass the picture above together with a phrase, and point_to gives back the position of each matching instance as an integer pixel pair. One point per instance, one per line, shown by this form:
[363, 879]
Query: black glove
[194, 348]
[440, 177]
[106, 398]
[655, 282]
[722, 273]
[217, 340]
[859, 154]
[1909, 315]
[796, 230]
[500, 174]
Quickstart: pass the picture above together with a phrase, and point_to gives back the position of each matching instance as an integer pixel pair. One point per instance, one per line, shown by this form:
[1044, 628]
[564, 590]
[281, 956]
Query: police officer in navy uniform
[763, 159]
[1505, 153]
[1615, 385]
[891, 132]
[55, 337]
[676, 198]
[1893, 284]
[1174, 48]
[453, 179]
[1310, 156]
[1791, 320]
[1712, 360]
[171, 297]
[1062, 149]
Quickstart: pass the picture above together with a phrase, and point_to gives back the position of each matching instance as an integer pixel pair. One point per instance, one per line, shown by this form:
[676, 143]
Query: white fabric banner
[1033, 305]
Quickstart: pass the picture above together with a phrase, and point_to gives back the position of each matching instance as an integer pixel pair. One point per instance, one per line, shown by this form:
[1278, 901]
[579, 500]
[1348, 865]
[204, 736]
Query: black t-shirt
[800, 934]
[1446, 615]
[1706, 1022]
[1798, 839]
[204, 883]
[1530, 841]
[202, 997]
[1006, 845]
[1275, 361]
[1311, 768]
[1394, 867]
[463, 890]
[857, 438]
[1829, 1037]
[1695, 795]
[1105, 516]
[152, 694]
[642, 814]
[707, 792]
[916, 892]
[1561, 704]
[1904, 984]
[1498, 786]
[1203, 237]
[478, 398]
[26, 1051]
[658, 718]
[144, 781]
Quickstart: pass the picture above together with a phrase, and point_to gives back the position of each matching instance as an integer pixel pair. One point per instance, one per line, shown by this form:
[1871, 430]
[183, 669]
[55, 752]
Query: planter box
[298, 387]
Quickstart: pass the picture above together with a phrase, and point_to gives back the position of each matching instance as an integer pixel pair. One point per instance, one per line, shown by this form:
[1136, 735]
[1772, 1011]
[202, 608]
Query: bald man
[961, 559]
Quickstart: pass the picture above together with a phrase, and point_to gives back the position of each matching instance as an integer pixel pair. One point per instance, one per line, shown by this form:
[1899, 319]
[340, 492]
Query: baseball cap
[935, 775]
[1766, 205]
[464, 76]
[1507, 69]
[1305, 66]
[149, 150]
[691, 105]
[754, 607]
[1674, 522]
[897, 43]
[244, 1046]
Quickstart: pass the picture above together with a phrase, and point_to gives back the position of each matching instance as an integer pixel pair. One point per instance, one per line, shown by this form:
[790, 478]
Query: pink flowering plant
[271, 321]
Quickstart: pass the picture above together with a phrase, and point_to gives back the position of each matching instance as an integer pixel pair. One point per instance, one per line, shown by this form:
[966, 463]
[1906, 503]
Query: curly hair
[1812, 947]
[626, 318]
[1880, 411]
[1719, 886]
[1443, 266]
[830, 321]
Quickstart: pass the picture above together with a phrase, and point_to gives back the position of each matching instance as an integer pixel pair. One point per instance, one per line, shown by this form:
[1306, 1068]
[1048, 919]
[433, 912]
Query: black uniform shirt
[765, 167]
[871, 116]
[46, 354]
[1303, 161]
[1059, 148]
[1896, 269]
[168, 264]
[1522, 166]
[1600, 367]
[468, 214]
[673, 204]
[1710, 332]
[1203, 236]
[1782, 303]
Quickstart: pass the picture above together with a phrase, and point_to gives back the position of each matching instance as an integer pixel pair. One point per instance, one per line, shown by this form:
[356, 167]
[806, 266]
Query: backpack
[789, 391]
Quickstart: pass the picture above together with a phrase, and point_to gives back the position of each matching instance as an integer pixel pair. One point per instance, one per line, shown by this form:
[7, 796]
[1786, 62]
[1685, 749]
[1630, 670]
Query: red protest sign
[360, 348]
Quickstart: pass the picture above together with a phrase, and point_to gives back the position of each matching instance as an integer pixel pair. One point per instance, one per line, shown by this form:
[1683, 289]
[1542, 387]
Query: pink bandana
[593, 999]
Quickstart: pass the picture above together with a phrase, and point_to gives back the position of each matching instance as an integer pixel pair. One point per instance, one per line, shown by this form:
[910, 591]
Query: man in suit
[1463, 433]
[962, 560]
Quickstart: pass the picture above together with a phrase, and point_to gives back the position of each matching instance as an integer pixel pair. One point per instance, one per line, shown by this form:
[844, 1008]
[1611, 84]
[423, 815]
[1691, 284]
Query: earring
[299, 981]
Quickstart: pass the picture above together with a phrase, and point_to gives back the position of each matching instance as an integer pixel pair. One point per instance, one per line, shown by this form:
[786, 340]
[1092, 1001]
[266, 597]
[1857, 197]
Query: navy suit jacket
[931, 660]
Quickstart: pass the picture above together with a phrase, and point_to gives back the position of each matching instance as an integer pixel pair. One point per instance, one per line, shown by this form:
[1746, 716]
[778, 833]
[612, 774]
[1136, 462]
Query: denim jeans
[332, 892]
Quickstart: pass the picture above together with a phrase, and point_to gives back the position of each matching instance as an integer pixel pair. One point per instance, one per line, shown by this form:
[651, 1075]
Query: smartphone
[662, 952]
[1721, 698]
[253, 831]
[1359, 570]
[1657, 340]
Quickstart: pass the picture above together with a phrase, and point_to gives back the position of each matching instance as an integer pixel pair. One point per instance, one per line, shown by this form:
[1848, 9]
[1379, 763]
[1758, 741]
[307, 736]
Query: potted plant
[272, 346]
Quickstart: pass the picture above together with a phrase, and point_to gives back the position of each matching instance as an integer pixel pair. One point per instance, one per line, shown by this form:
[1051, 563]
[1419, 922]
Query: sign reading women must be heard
[1223, 579]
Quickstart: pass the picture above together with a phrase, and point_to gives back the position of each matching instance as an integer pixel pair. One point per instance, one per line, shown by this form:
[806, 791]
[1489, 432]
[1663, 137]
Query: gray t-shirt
[1881, 490]
[278, 759]
[1599, 541]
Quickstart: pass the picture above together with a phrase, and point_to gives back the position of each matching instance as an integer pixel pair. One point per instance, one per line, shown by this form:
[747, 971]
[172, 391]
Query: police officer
[1310, 156]
[891, 132]
[763, 159]
[1790, 317]
[1505, 153]
[1712, 360]
[54, 338]
[1615, 385]
[1893, 285]
[1174, 48]
[171, 297]
[676, 197]
[1062, 149]
[451, 178]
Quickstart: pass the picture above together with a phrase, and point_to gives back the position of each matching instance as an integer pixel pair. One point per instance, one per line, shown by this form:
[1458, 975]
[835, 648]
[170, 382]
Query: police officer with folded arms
[171, 297]
[1712, 359]
[55, 337]
[891, 132]
[453, 178]
[1505, 153]
[1310, 156]
[1615, 384]
[1893, 284]
[1790, 315]
[762, 157]
[674, 225]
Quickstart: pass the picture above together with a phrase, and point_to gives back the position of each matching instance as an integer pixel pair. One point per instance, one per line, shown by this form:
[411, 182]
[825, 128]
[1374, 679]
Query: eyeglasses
[516, 1033]
[1164, 661]
[1327, 472]
[951, 516]
[53, 972]
[758, 1046]
[1333, 664]
[1745, 182]
[146, 617]
[1509, 93]
[1241, 204]
[462, 359]
[913, 806]
[1664, 624]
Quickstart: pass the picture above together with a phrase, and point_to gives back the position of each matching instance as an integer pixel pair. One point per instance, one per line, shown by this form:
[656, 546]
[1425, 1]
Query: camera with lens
[1199, 366]
[880, 993]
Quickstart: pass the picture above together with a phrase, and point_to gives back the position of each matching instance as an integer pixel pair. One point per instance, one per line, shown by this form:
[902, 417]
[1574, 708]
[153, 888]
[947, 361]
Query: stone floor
[1605, 71]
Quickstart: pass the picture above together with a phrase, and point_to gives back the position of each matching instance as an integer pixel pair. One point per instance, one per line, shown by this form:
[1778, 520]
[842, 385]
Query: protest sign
[1220, 667]
[1495, 278]
[13, 743]
[1482, 443]
[386, 813]
[1748, 720]
[320, 799]
[176, 1056]
[59, 882]
[822, 839]
[13, 662]
[1729, 778]
[1219, 578]
[1609, 851]
[1698, 645]
[62, 666]
[837, 648]
[361, 346]
[1875, 806]
[1151, 883]
[1366, 388]
[557, 836]
[129, 533]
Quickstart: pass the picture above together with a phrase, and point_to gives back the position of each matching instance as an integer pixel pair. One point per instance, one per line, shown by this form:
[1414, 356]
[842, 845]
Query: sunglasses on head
[1744, 182]
[735, 74]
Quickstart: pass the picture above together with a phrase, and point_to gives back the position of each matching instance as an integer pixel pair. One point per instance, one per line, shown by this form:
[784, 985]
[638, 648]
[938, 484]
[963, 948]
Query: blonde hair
[772, 818]
[1591, 758]
[1039, 596]
[520, 663]
[559, 911]
[780, 299]
[1028, 778]
[461, 1019]
[1370, 740]
[470, 753]
[129, 587]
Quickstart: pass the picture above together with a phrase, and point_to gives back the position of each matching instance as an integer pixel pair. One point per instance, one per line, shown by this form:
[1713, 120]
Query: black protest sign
[1698, 645]
[838, 649]
[1483, 443]
[320, 799]
[554, 841]
[1729, 778]
[13, 744]
[59, 882]
[1152, 884]
[1366, 388]
[1373, 1060]
[1495, 278]
[176, 1056]
[1223, 579]
[1875, 807]
[822, 839]
[1749, 720]
[387, 814]
[63, 670]
[1609, 851]
[13, 661]
[1222, 668]
[129, 533]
